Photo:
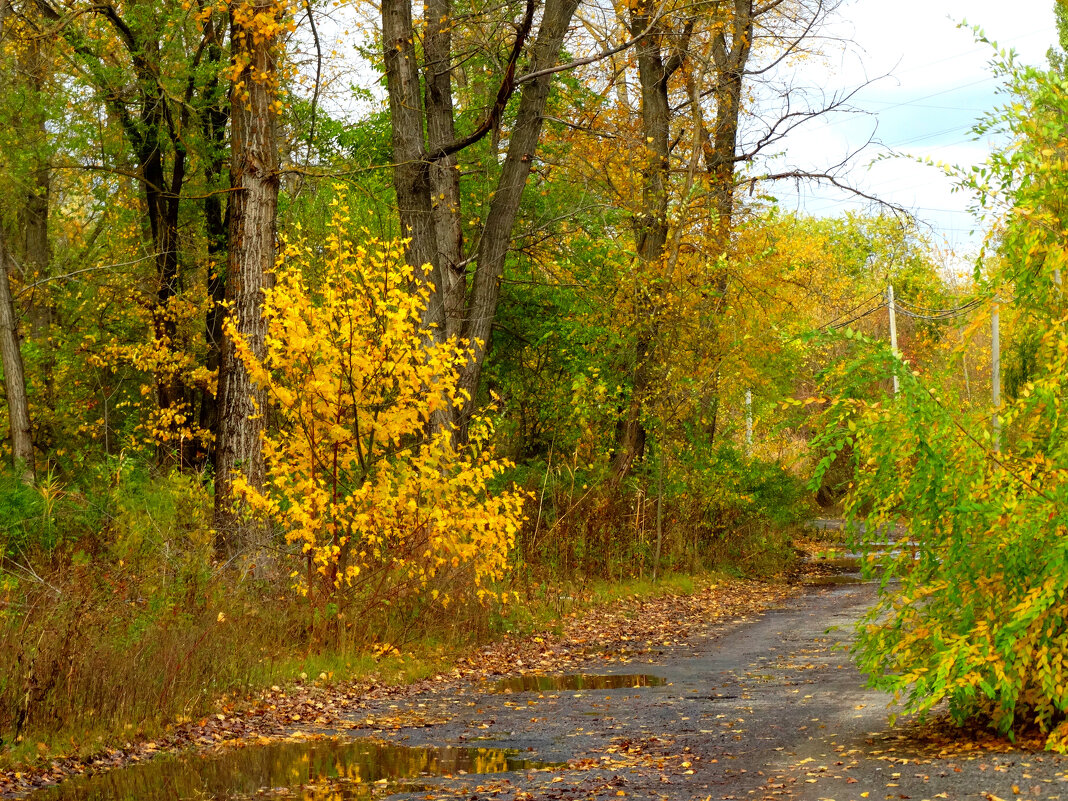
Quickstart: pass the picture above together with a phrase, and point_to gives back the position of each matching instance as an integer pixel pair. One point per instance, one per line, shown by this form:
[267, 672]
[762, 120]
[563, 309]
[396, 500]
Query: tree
[426, 180]
[18, 408]
[154, 69]
[256, 30]
[710, 47]
[659, 56]
[379, 512]
[24, 223]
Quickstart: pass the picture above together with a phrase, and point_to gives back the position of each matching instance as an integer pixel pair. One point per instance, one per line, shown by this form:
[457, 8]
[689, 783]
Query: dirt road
[646, 701]
[763, 709]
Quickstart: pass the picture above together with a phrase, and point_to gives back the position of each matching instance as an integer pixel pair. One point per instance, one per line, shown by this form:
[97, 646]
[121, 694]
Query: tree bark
[14, 374]
[655, 68]
[162, 203]
[426, 180]
[411, 171]
[216, 223]
[25, 68]
[730, 60]
[37, 253]
[253, 210]
[481, 308]
[35, 245]
[444, 174]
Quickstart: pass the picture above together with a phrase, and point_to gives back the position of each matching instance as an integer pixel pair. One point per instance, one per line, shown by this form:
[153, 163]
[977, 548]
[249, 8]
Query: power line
[950, 316]
[970, 109]
[971, 304]
[973, 51]
[868, 313]
[914, 101]
[860, 305]
[908, 309]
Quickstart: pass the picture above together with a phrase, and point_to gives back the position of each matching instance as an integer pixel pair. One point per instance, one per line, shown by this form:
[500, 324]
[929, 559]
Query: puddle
[533, 683]
[844, 568]
[839, 561]
[834, 579]
[321, 770]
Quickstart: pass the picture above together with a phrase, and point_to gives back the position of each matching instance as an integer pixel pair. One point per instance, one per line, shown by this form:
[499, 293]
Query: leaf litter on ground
[616, 632]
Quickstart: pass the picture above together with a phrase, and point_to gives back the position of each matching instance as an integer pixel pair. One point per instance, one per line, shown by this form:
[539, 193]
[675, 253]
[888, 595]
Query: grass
[115, 624]
[430, 654]
[238, 674]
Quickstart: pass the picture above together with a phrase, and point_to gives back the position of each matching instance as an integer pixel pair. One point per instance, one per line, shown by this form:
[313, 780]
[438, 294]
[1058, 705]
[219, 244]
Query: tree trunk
[411, 171]
[14, 375]
[426, 180]
[35, 245]
[170, 385]
[37, 254]
[253, 208]
[34, 64]
[481, 309]
[216, 213]
[730, 59]
[651, 226]
[444, 174]
[162, 204]
[25, 68]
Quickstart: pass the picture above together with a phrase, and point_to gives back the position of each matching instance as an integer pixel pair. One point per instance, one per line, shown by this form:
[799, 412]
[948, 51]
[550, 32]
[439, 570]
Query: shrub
[978, 618]
[382, 506]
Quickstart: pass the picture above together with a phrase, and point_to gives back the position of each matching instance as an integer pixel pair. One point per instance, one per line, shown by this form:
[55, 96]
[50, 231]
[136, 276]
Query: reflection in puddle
[338, 770]
[533, 683]
[834, 579]
[846, 562]
[842, 568]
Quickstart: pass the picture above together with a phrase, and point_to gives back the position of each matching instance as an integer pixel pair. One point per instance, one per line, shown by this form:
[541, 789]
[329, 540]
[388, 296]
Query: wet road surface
[768, 706]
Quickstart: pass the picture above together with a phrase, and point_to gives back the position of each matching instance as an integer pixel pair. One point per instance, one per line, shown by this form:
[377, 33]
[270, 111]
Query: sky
[930, 81]
[938, 83]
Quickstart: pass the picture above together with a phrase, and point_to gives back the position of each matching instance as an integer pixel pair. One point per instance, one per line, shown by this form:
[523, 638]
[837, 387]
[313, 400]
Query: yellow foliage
[355, 476]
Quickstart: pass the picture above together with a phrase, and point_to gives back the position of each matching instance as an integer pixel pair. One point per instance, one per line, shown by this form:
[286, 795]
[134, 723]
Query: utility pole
[749, 422]
[964, 363]
[893, 330]
[995, 373]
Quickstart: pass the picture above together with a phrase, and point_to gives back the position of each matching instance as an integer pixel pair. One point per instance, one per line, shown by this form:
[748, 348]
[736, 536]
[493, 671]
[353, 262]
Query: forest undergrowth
[118, 621]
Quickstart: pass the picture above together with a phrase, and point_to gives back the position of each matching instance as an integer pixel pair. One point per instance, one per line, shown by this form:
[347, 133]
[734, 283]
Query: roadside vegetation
[977, 623]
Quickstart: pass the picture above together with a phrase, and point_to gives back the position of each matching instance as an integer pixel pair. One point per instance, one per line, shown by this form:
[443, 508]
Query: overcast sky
[939, 84]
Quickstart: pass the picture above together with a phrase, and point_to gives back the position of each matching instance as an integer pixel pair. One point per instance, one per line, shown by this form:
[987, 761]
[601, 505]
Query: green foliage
[718, 509]
[111, 577]
[23, 513]
[1021, 363]
[49, 515]
[976, 620]
[723, 489]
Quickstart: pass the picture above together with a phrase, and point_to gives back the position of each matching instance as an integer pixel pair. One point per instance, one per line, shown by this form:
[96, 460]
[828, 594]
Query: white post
[964, 363]
[995, 373]
[893, 331]
[749, 421]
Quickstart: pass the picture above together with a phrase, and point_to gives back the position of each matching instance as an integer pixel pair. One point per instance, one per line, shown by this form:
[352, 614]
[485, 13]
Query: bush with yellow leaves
[380, 507]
